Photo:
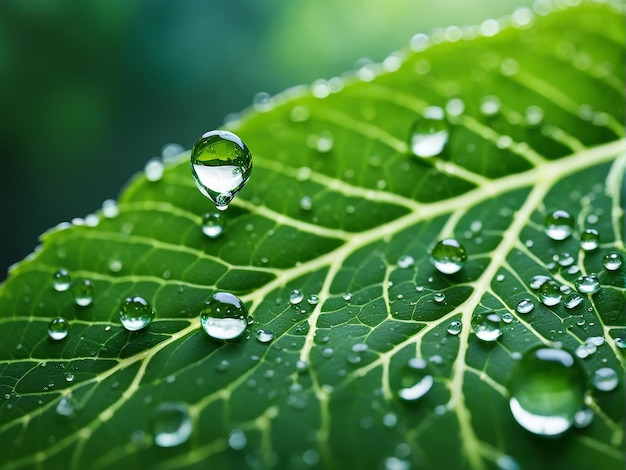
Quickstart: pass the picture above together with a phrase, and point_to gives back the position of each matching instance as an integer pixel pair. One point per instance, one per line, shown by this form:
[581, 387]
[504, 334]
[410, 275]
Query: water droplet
[264, 336]
[448, 256]
[65, 407]
[500, 277]
[573, 300]
[322, 142]
[507, 317]
[406, 261]
[262, 102]
[135, 313]
[558, 225]
[490, 105]
[525, 306]
[61, 280]
[154, 169]
[213, 224]
[589, 284]
[415, 380]
[547, 390]
[221, 165]
[455, 107]
[83, 292]
[169, 152]
[58, 328]
[237, 439]
[172, 424]
[533, 115]
[565, 259]
[313, 299]
[439, 297]
[306, 203]
[300, 114]
[115, 265]
[224, 316]
[537, 281]
[347, 296]
[613, 261]
[69, 376]
[487, 326]
[590, 239]
[550, 293]
[394, 463]
[295, 297]
[110, 209]
[327, 352]
[583, 418]
[454, 327]
[605, 379]
[429, 134]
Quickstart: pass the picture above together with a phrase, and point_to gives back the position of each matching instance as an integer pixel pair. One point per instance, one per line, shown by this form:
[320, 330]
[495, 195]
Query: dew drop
[169, 152]
[83, 292]
[237, 439]
[507, 317]
[613, 261]
[313, 299]
[264, 336]
[300, 114]
[448, 256]
[589, 284]
[172, 424]
[69, 376]
[224, 316]
[115, 265]
[487, 326]
[454, 327]
[490, 105]
[439, 297]
[306, 203]
[415, 380]
[589, 239]
[221, 165]
[213, 224]
[429, 133]
[525, 306]
[154, 169]
[533, 115]
[406, 261]
[347, 296]
[110, 209]
[65, 407]
[572, 300]
[58, 328]
[547, 390]
[295, 297]
[537, 281]
[605, 379]
[583, 418]
[455, 107]
[550, 293]
[61, 280]
[135, 313]
[558, 225]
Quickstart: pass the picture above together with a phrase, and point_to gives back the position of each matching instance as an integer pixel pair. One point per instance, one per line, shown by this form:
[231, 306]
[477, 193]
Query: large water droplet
[136, 313]
[415, 380]
[573, 300]
[525, 306]
[454, 327]
[547, 390]
[58, 328]
[172, 424]
[559, 225]
[590, 239]
[429, 134]
[213, 224]
[605, 379]
[61, 280]
[264, 336]
[613, 261]
[83, 292]
[487, 326]
[448, 256]
[224, 316]
[550, 293]
[221, 165]
[589, 284]
[295, 297]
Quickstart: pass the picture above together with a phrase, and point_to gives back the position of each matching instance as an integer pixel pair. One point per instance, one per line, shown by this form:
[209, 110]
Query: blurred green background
[91, 89]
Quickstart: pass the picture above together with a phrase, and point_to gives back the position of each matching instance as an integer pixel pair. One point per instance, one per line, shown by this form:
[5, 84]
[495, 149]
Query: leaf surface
[310, 398]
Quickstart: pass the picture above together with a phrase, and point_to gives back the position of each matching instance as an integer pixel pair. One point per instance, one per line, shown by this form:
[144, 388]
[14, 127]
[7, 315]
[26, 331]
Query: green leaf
[309, 398]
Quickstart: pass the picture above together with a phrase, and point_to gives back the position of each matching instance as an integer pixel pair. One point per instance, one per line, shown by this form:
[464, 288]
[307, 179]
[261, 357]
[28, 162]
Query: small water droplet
[406, 261]
[547, 390]
[264, 336]
[66, 406]
[58, 328]
[213, 224]
[83, 292]
[439, 297]
[455, 107]
[573, 300]
[169, 152]
[237, 439]
[487, 326]
[110, 209]
[300, 114]
[415, 380]
[590, 239]
[500, 277]
[313, 299]
[429, 133]
[224, 316]
[295, 297]
[61, 280]
[583, 418]
[69, 376]
[613, 261]
[589, 284]
[525, 306]
[507, 317]
[490, 105]
[306, 203]
[558, 225]
[262, 102]
[154, 169]
[172, 424]
[135, 313]
[550, 293]
[454, 327]
[537, 281]
[533, 115]
[347, 296]
[448, 256]
[605, 379]
[565, 259]
[221, 165]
